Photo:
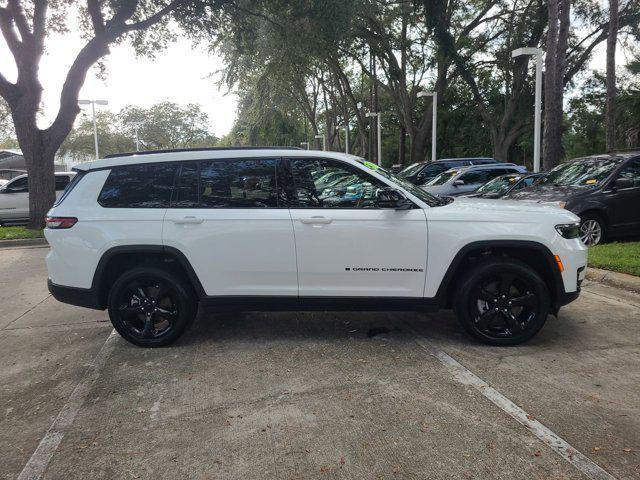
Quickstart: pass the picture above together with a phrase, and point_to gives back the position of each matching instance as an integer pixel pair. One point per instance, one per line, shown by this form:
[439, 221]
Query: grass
[618, 257]
[12, 233]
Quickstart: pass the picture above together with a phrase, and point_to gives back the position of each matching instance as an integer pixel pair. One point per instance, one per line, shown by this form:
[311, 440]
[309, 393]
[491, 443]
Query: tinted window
[61, 182]
[227, 183]
[323, 183]
[476, 176]
[632, 172]
[243, 183]
[19, 185]
[139, 186]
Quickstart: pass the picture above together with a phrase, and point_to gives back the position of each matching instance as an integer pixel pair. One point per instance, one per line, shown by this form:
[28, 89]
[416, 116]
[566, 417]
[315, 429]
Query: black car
[603, 190]
[505, 184]
[422, 172]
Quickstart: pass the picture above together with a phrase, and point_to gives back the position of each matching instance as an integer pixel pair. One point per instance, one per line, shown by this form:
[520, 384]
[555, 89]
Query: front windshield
[498, 184]
[443, 177]
[417, 192]
[410, 170]
[581, 173]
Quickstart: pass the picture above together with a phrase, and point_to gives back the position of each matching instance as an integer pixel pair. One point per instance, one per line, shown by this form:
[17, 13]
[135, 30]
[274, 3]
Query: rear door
[346, 245]
[228, 218]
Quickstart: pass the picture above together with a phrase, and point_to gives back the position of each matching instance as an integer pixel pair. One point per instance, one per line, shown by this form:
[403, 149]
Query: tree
[610, 113]
[24, 26]
[555, 69]
[167, 125]
[79, 145]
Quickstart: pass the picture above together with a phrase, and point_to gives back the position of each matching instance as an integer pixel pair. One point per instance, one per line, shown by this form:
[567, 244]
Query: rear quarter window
[139, 186]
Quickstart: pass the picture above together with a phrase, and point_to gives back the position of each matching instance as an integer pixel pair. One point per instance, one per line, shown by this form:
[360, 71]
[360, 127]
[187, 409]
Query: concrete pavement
[311, 395]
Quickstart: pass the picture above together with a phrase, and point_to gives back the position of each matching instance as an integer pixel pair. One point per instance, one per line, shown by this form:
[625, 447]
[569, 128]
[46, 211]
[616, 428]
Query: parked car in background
[14, 197]
[603, 190]
[422, 172]
[467, 179]
[3, 182]
[504, 184]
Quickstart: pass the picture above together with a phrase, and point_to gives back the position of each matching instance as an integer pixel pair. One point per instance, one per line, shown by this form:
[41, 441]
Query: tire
[502, 301]
[592, 229]
[151, 307]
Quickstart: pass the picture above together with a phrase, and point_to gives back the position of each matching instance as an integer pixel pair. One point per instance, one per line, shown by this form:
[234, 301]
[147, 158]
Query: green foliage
[618, 257]
[161, 126]
[13, 233]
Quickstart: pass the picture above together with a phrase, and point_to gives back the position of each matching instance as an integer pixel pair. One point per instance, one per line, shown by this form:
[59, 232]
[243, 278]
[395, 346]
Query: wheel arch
[534, 254]
[116, 260]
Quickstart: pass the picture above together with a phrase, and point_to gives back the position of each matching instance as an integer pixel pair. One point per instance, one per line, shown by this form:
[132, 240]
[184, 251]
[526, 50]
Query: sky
[181, 74]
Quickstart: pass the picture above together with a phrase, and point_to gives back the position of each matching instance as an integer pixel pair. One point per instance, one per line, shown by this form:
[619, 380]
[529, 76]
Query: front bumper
[81, 297]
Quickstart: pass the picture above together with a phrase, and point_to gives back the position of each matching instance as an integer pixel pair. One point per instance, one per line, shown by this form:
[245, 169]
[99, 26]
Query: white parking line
[41, 458]
[465, 377]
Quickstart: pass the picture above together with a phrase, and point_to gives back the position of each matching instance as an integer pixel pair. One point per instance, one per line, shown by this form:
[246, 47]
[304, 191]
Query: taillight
[60, 223]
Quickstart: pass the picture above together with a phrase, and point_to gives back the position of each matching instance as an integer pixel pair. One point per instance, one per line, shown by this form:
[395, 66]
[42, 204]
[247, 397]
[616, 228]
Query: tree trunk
[610, 112]
[555, 67]
[402, 146]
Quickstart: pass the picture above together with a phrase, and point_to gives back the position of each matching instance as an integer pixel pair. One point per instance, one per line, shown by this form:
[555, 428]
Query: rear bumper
[81, 297]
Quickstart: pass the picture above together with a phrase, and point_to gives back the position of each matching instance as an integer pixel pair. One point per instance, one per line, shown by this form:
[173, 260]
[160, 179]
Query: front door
[345, 245]
[624, 203]
[14, 200]
[227, 218]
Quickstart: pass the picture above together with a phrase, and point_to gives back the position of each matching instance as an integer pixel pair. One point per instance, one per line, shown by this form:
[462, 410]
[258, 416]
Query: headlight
[569, 230]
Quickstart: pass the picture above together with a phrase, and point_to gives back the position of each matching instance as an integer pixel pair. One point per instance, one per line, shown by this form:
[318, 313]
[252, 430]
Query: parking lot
[314, 395]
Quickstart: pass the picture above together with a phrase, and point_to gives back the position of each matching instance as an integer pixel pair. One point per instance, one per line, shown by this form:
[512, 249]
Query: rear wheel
[150, 307]
[502, 302]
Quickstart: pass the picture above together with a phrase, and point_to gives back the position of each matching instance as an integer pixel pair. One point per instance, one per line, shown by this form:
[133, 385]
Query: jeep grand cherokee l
[150, 236]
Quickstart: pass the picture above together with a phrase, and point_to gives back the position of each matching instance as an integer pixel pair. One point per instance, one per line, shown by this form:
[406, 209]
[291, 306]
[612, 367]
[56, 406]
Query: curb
[23, 242]
[614, 279]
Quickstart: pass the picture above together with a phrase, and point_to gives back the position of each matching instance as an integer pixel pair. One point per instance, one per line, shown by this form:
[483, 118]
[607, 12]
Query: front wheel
[150, 307]
[592, 229]
[502, 302]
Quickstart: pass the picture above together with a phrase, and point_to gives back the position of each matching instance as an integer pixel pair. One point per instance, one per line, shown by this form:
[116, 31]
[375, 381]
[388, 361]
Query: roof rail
[203, 149]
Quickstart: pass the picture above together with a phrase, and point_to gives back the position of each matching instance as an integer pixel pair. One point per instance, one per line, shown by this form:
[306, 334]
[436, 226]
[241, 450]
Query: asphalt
[309, 395]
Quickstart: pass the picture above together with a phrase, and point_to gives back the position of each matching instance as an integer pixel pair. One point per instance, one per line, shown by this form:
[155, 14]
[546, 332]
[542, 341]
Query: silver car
[457, 181]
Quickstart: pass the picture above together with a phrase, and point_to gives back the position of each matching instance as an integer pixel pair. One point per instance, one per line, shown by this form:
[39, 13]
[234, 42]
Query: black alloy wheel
[503, 302]
[150, 307]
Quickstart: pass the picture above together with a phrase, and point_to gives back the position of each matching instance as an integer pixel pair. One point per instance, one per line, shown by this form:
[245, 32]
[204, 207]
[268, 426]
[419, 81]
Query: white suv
[150, 235]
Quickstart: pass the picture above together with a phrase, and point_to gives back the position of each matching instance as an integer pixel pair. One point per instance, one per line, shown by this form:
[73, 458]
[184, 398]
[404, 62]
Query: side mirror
[622, 182]
[457, 183]
[392, 198]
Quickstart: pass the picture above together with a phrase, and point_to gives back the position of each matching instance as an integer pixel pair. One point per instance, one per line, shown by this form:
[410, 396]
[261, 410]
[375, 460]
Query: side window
[227, 183]
[61, 182]
[19, 185]
[632, 172]
[477, 176]
[139, 186]
[321, 183]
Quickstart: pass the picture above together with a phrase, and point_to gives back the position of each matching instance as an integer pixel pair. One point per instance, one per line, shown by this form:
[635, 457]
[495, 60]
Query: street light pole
[434, 120]
[324, 141]
[346, 139]
[378, 115]
[537, 125]
[95, 126]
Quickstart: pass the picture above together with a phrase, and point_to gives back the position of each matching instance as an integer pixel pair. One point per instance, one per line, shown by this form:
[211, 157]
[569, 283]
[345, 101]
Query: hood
[442, 190]
[499, 205]
[482, 195]
[549, 193]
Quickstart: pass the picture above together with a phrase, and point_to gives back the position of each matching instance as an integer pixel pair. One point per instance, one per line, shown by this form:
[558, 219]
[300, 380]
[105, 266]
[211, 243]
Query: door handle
[316, 220]
[188, 220]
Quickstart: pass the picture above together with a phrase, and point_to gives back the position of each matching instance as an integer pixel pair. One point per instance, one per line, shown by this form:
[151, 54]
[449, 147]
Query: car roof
[55, 173]
[620, 156]
[209, 154]
[488, 166]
